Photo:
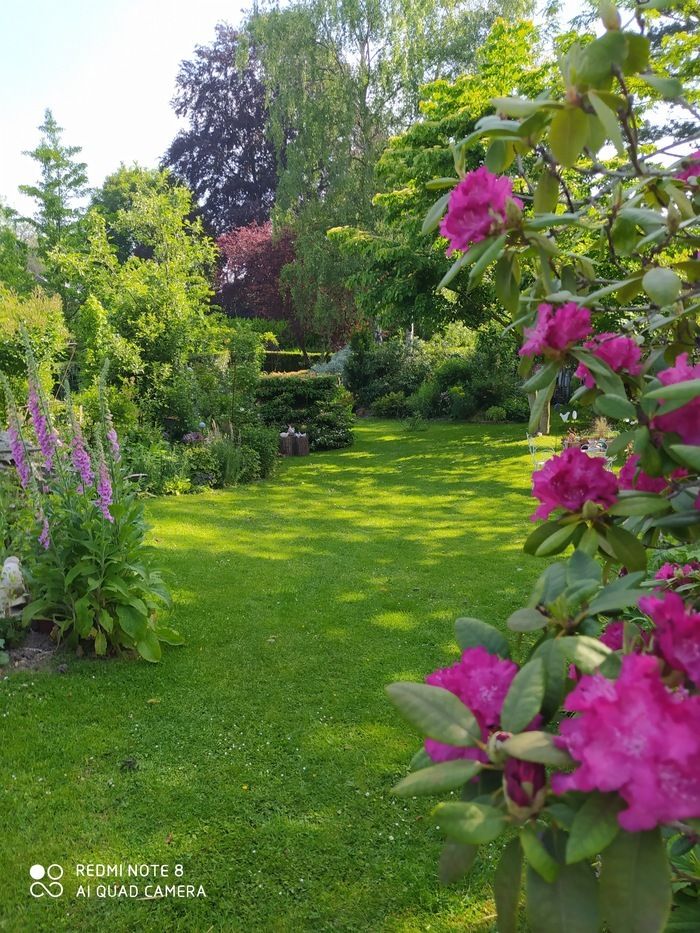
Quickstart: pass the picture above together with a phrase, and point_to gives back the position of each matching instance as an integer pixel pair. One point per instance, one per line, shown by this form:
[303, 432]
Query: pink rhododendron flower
[684, 421]
[556, 329]
[631, 477]
[692, 170]
[634, 737]
[677, 632]
[620, 353]
[481, 681]
[571, 479]
[677, 572]
[476, 209]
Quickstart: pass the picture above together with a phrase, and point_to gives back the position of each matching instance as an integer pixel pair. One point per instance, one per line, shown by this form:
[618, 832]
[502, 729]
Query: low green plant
[495, 413]
[391, 405]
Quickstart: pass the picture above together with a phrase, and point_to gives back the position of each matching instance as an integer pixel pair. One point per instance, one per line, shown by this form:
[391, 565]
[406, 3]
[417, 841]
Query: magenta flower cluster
[622, 354]
[677, 573]
[635, 737]
[571, 479]
[477, 209]
[481, 681]
[556, 330]
[677, 632]
[692, 169]
[684, 421]
[631, 476]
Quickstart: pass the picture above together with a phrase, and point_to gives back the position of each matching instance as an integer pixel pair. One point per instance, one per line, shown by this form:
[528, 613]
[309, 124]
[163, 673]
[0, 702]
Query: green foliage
[374, 369]
[290, 361]
[317, 405]
[391, 405]
[14, 255]
[495, 413]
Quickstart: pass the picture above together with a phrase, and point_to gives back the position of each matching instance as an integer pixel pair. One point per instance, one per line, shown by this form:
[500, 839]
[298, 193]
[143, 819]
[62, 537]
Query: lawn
[261, 755]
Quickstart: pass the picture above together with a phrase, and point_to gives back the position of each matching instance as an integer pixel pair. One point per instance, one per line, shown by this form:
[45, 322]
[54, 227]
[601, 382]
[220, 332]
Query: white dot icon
[37, 872]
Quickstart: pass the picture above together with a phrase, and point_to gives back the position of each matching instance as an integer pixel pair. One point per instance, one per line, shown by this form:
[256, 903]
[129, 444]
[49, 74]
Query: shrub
[90, 572]
[265, 442]
[203, 465]
[156, 466]
[249, 464]
[427, 401]
[495, 413]
[461, 403]
[290, 361]
[317, 404]
[517, 408]
[377, 369]
[391, 405]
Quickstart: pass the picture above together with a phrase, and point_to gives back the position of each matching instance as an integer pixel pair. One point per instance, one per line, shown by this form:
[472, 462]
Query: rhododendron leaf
[538, 747]
[627, 549]
[663, 286]
[516, 106]
[467, 259]
[585, 652]
[669, 88]
[558, 541]
[550, 584]
[609, 120]
[524, 697]
[421, 759]
[635, 883]
[448, 775]
[598, 58]
[581, 566]
[542, 399]
[473, 633]
[485, 259]
[526, 620]
[546, 193]
[594, 827]
[456, 859]
[542, 378]
[562, 814]
[687, 454]
[499, 155]
[507, 286]
[570, 904]
[507, 881]
[568, 132]
[606, 380]
[637, 58]
[536, 854]
[614, 406]
[682, 391]
[555, 668]
[432, 218]
[645, 503]
[553, 220]
[619, 443]
[437, 184]
[473, 823]
[540, 534]
[437, 713]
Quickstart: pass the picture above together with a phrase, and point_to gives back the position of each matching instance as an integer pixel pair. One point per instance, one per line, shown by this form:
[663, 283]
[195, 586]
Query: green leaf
[472, 823]
[434, 215]
[448, 775]
[437, 713]
[464, 261]
[499, 155]
[486, 258]
[542, 399]
[538, 747]
[507, 880]
[663, 286]
[594, 827]
[627, 549]
[613, 406]
[669, 88]
[516, 106]
[637, 58]
[555, 669]
[687, 454]
[570, 904]
[679, 391]
[539, 535]
[581, 566]
[585, 652]
[436, 184]
[526, 620]
[542, 378]
[640, 503]
[537, 856]
[635, 883]
[558, 541]
[568, 132]
[597, 58]
[169, 635]
[421, 759]
[100, 643]
[148, 646]
[473, 633]
[456, 859]
[546, 193]
[524, 697]
[609, 121]
[133, 623]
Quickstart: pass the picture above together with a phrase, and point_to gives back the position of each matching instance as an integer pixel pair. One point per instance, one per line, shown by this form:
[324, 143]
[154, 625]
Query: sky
[107, 70]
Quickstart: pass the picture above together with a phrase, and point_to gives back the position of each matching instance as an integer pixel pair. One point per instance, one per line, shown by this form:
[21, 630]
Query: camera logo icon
[51, 887]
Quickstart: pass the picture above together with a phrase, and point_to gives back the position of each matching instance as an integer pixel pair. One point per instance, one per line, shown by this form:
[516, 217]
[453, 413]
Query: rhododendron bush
[576, 742]
[89, 571]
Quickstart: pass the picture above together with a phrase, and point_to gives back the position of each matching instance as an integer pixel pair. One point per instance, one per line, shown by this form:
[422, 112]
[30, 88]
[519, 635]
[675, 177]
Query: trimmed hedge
[289, 361]
[318, 405]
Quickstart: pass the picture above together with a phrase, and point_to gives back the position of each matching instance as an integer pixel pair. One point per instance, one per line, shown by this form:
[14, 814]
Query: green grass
[265, 750]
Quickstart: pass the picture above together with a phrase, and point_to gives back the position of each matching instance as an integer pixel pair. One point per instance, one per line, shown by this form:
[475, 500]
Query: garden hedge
[317, 404]
[289, 361]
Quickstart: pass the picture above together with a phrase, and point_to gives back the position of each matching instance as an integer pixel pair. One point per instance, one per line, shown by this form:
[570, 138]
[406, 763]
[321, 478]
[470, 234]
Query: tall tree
[15, 271]
[62, 183]
[225, 156]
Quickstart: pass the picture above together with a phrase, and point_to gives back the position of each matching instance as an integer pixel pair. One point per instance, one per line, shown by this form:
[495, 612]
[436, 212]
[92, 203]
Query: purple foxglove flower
[104, 492]
[81, 459]
[45, 436]
[19, 455]
[45, 536]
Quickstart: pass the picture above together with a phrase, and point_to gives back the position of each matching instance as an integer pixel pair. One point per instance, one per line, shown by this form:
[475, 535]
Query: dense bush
[290, 361]
[391, 405]
[375, 369]
[495, 413]
[316, 404]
